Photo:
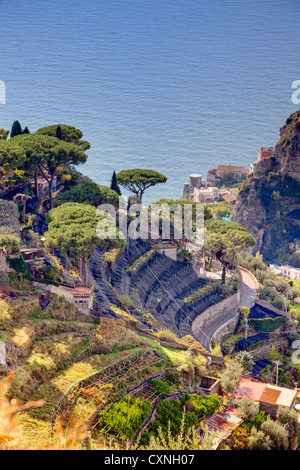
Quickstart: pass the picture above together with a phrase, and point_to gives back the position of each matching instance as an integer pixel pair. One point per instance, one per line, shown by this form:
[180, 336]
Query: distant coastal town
[214, 188]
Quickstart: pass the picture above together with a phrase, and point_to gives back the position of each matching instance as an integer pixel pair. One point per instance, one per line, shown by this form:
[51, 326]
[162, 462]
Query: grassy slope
[44, 348]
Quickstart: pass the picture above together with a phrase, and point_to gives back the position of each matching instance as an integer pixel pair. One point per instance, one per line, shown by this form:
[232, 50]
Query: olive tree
[231, 376]
[247, 408]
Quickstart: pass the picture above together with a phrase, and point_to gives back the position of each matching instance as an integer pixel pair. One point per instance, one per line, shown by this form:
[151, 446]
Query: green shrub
[205, 406]
[192, 407]
[266, 325]
[19, 265]
[170, 414]
[51, 273]
[161, 387]
[167, 335]
[126, 417]
[255, 422]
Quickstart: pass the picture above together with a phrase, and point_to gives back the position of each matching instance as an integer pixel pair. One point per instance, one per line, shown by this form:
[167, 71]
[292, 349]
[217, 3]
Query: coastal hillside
[70, 368]
[268, 205]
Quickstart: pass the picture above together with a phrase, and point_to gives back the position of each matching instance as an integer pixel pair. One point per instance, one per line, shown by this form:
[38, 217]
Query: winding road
[248, 296]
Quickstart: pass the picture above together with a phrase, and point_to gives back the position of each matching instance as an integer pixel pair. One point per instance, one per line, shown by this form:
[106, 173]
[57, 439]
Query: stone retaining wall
[215, 312]
[262, 351]
[226, 329]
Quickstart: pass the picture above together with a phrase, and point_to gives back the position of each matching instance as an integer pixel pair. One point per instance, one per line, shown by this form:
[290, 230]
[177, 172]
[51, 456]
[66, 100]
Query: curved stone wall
[215, 312]
[158, 285]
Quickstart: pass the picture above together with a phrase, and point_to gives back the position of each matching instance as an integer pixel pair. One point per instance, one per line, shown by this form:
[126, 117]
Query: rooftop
[232, 167]
[165, 244]
[223, 423]
[286, 266]
[265, 393]
[249, 388]
[82, 291]
[228, 198]
[278, 395]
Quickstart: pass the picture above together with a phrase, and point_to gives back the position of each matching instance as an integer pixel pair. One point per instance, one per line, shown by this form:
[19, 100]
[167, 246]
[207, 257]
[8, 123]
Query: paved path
[248, 296]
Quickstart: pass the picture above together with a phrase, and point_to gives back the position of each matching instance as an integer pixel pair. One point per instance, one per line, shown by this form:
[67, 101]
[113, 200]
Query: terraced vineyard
[89, 395]
[170, 290]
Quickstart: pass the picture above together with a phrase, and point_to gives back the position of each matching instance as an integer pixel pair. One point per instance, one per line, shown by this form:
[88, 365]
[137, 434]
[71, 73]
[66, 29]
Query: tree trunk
[36, 181]
[50, 182]
[50, 192]
[210, 261]
[85, 269]
[80, 267]
[23, 208]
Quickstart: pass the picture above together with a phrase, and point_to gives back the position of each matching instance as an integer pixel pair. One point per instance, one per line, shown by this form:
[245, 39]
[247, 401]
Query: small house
[83, 298]
[167, 248]
[290, 272]
[270, 397]
[222, 424]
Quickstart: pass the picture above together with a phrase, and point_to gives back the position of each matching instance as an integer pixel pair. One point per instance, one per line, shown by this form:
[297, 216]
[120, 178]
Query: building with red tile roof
[214, 175]
[265, 152]
[221, 425]
[82, 298]
[269, 397]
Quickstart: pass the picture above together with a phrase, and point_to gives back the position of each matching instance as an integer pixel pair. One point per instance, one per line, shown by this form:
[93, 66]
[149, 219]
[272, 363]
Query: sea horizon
[178, 87]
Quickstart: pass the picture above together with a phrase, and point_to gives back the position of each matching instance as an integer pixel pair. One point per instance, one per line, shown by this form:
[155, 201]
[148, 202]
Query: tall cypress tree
[223, 275]
[114, 184]
[58, 133]
[16, 129]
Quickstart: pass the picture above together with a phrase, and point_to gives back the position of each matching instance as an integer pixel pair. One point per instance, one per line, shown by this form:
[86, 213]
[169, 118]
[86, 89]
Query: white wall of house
[291, 273]
[170, 252]
[83, 304]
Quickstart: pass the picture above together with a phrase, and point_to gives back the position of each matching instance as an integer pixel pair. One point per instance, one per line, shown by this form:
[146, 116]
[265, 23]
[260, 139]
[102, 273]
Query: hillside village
[139, 344]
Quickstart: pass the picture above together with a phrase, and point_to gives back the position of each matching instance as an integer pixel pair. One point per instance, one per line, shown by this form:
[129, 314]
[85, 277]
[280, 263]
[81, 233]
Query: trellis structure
[106, 384]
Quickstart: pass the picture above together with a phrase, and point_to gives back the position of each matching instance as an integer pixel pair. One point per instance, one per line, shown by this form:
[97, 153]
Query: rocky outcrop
[269, 201]
[287, 150]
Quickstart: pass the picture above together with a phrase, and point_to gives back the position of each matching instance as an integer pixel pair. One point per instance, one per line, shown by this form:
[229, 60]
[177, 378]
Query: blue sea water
[174, 85]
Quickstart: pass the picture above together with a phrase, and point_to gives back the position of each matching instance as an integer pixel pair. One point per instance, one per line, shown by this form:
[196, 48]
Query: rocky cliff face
[268, 205]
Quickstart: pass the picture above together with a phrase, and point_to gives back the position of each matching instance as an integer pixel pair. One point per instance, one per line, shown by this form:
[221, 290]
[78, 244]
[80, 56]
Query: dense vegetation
[88, 192]
[187, 410]
[125, 417]
[273, 289]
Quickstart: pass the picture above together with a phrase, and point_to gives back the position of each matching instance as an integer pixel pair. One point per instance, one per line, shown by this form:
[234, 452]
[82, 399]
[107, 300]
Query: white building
[286, 271]
[211, 195]
[196, 181]
[83, 298]
[167, 248]
[290, 272]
